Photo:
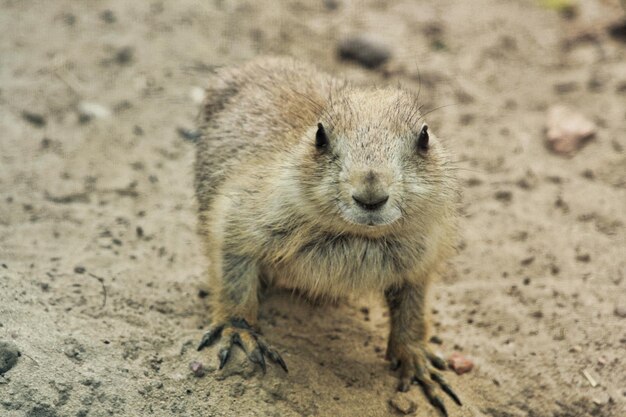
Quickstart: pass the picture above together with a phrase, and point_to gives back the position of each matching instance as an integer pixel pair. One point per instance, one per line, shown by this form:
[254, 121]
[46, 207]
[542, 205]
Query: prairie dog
[307, 182]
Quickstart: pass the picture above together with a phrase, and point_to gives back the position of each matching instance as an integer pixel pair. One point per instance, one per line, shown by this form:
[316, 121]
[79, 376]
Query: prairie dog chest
[337, 265]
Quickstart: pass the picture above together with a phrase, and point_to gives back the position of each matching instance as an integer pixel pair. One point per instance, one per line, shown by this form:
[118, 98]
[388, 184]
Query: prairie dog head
[372, 165]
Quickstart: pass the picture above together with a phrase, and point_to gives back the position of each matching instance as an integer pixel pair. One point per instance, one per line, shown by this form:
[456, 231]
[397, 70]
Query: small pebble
[197, 368]
[35, 119]
[88, 111]
[620, 311]
[124, 55]
[436, 340]
[8, 356]
[191, 135]
[402, 403]
[367, 50]
[197, 95]
[618, 29]
[568, 130]
[505, 196]
[108, 16]
[585, 257]
[459, 363]
[331, 4]
[566, 87]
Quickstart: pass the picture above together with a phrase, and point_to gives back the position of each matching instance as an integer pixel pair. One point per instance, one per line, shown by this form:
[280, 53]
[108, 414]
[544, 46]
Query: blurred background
[102, 282]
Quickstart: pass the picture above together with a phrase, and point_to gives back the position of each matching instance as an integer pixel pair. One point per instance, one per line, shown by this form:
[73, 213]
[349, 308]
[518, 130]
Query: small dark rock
[618, 30]
[124, 56]
[35, 119]
[436, 340]
[8, 356]
[467, 118]
[584, 257]
[331, 4]
[366, 50]
[595, 84]
[474, 182]
[524, 184]
[566, 87]
[79, 269]
[69, 19]
[41, 411]
[191, 135]
[108, 16]
[505, 196]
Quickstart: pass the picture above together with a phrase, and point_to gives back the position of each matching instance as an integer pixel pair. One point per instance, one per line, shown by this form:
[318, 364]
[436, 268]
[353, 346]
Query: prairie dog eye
[422, 139]
[321, 139]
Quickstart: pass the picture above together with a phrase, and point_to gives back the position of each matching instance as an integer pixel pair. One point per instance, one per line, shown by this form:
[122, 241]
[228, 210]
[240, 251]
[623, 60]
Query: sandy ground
[101, 271]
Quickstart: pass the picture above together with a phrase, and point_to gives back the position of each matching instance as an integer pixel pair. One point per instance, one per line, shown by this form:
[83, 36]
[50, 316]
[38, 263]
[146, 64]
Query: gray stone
[8, 356]
[368, 51]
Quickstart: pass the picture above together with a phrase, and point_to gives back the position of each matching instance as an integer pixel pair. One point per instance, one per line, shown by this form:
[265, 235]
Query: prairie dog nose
[370, 190]
[371, 200]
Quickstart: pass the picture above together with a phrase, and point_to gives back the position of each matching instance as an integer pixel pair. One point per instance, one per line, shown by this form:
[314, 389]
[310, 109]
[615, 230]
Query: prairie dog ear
[321, 139]
[423, 138]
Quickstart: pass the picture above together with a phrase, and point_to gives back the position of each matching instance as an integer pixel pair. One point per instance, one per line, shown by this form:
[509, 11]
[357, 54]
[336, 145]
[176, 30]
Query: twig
[591, 380]
[29, 357]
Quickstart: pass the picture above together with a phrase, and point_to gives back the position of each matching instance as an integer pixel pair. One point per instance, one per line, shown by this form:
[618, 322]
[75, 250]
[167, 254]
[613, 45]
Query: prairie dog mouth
[370, 218]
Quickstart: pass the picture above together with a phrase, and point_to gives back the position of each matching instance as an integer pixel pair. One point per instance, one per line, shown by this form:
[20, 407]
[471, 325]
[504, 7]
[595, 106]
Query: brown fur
[276, 209]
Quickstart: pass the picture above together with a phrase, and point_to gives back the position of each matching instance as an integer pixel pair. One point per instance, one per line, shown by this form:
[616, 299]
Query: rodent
[308, 182]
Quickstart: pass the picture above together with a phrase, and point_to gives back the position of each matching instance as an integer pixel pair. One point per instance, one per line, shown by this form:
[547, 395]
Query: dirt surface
[101, 270]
